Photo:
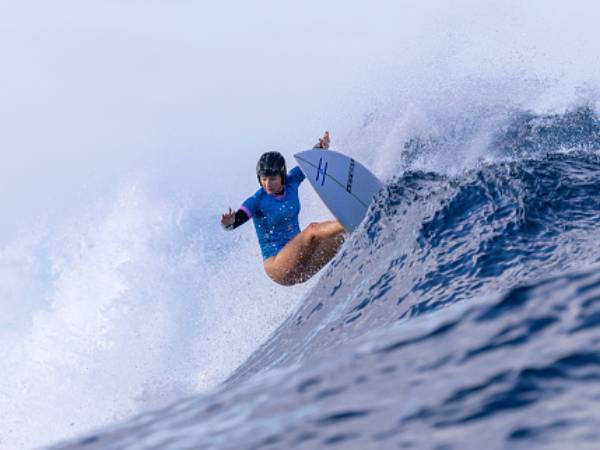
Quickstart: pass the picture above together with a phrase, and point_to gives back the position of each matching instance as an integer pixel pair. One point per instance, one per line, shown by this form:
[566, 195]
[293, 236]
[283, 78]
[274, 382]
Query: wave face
[464, 311]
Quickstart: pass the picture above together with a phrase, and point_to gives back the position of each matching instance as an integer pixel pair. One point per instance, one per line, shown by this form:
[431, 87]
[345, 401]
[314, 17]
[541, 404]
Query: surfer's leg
[328, 237]
[283, 267]
[325, 252]
[294, 262]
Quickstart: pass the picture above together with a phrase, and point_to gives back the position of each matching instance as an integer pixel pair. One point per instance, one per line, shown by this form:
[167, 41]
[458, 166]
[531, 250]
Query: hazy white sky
[93, 91]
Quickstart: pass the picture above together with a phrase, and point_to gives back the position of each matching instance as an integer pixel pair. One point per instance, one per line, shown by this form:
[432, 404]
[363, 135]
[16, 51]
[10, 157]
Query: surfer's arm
[296, 175]
[232, 220]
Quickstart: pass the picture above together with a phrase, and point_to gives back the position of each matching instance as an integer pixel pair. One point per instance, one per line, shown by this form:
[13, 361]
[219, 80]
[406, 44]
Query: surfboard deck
[345, 186]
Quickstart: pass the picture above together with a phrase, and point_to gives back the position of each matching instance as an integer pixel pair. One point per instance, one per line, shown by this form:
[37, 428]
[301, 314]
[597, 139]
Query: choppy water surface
[465, 311]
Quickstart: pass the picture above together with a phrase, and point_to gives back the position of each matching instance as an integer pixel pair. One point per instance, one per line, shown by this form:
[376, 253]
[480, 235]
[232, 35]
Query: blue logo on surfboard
[322, 171]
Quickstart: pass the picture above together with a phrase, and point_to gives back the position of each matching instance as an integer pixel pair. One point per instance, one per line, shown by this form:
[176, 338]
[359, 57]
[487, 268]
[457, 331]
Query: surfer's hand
[324, 141]
[228, 218]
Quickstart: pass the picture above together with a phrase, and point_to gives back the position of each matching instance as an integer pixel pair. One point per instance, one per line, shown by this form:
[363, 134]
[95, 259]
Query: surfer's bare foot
[324, 141]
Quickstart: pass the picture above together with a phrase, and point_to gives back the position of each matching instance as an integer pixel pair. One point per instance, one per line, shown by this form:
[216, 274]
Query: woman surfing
[290, 256]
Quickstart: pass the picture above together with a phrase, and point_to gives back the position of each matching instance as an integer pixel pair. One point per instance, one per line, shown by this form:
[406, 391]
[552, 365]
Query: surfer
[290, 256]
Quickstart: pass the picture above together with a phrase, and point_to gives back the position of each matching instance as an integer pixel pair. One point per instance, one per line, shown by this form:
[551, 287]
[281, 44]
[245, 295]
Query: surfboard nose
[346, 186]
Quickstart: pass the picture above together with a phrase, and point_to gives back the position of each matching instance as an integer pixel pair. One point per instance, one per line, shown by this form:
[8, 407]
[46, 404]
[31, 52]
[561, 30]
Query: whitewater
[462, 313]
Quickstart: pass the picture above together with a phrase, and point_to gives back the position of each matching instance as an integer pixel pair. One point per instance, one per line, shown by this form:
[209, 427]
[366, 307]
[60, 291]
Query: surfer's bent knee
[311, 232]
[274, 272]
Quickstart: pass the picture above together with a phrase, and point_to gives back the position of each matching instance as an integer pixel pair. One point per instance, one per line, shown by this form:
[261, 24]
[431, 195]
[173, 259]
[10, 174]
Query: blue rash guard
[276, 217]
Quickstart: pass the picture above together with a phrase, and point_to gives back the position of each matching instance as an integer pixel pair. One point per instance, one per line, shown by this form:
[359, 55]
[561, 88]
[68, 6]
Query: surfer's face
[271, 184]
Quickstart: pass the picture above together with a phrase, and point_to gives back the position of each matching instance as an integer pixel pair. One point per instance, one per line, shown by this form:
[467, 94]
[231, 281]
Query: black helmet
[269, 164]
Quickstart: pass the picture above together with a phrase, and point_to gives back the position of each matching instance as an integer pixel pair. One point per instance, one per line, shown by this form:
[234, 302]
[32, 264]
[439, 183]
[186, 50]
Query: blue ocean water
[464, 312]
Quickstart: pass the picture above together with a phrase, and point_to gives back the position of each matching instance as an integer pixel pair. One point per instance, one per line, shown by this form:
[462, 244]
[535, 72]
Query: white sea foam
[123, 309]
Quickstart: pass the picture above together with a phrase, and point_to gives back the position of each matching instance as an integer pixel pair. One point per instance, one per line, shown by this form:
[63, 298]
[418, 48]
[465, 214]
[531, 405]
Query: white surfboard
[345, 185]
